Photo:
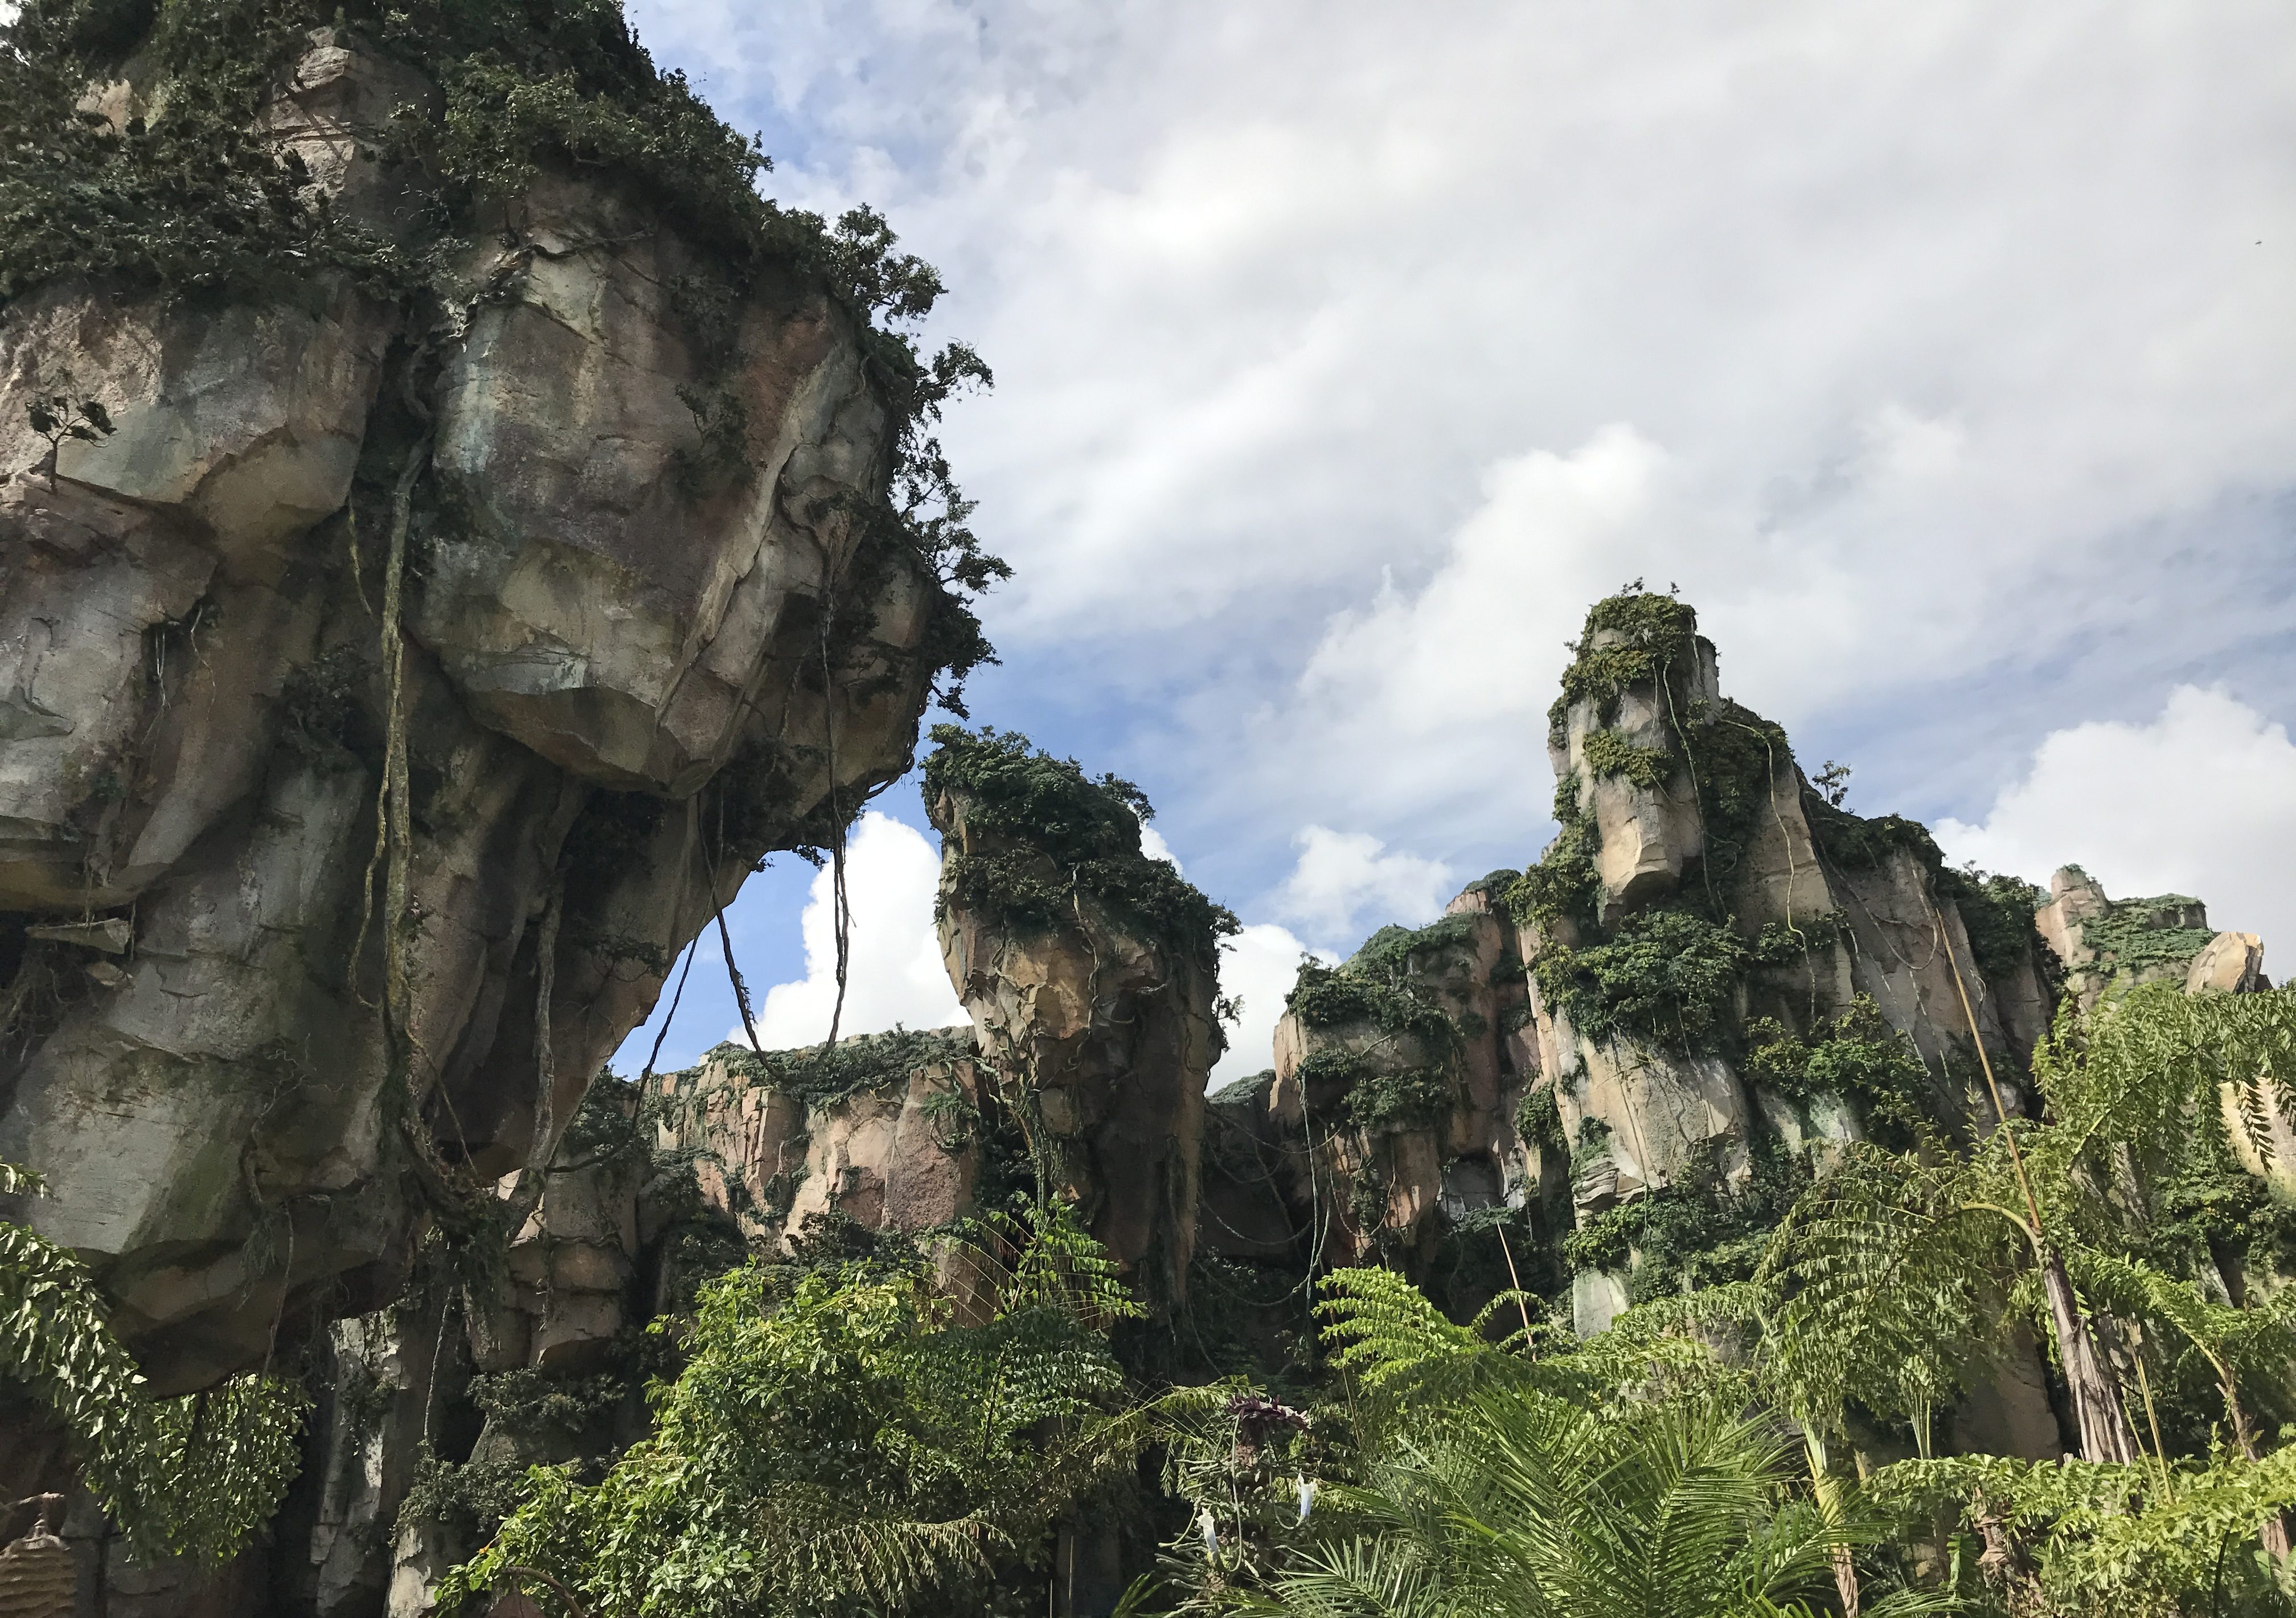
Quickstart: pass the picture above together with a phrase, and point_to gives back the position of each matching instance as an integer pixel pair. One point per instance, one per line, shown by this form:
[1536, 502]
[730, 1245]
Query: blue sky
[1345, 352]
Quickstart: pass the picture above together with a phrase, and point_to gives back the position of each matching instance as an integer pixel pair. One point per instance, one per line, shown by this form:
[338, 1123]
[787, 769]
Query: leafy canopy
[848, 1440]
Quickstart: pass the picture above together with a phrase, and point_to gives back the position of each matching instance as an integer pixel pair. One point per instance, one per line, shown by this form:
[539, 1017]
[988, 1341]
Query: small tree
[57, 419]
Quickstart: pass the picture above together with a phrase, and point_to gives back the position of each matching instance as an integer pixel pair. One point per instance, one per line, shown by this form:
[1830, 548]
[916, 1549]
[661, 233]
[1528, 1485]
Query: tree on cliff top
[1054, 833]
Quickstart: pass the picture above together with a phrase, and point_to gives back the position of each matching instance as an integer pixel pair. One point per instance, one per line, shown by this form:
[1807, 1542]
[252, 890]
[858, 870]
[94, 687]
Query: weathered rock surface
[899, 1149]
[1099, 1033]
[1387, 1125]
[616, 693]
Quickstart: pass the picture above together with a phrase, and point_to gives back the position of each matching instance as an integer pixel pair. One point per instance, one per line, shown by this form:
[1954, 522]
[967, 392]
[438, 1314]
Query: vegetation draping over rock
[1856, 1056]
[1068, 834]
[1633, 638]
[193, 197]
[823, 1075]
[195, 1477]
[1379, 1003]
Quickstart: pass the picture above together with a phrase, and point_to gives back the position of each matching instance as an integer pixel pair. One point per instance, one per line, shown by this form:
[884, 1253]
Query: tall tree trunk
[2104, 1431]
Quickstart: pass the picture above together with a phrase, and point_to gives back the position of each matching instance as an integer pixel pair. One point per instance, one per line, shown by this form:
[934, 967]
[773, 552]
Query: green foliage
[1668, 976]
[1530, 1504]
[469, 1499]
[2143, 1541]
[1891, 1275]
[192, 1476]
[838, 1441]
[1538, 1119]
[1389, 990]
[1856, 1056]
[2133, 935]
[1609, 753]
[189, 198]
[1383, 1328]
[1413, 1099]
[870, 1061]
[1339, 997]
[1997, 914]
[1734, 755]
[1701, 1232]
[1066, 834]
[1629, 639]
[217, 1464]
[1562, 886]
[2143, 1074]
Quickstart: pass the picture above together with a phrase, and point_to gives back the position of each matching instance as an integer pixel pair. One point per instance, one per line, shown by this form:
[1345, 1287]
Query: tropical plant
[194, 1476]
[850, 1439]
[2075, 1537]
[1531, 1504]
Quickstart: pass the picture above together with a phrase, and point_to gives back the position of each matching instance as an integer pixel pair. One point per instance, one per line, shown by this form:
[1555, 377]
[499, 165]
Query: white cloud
[1342, 873]
[1258, 967]
[1448, 685]
[895, 973]
[2201, 800]
[1952, 340]
[1152, 845]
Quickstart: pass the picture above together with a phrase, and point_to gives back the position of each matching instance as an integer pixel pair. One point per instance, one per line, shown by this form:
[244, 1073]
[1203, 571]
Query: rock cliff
[1090, 973]
[1632, 1054]
[411, 664]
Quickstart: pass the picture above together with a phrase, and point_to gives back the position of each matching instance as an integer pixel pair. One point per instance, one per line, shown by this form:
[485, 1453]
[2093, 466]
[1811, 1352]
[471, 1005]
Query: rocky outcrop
[1089, 973]
[246, 1017]
[886, 1132]
[1769, 902]
[1396, 1080]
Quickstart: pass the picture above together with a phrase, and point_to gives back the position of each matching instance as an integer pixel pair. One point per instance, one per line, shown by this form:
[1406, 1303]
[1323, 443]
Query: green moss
[1610, 753]
[1667, 978]
[1856, 1056]
[1070, 834]
[1658, 633]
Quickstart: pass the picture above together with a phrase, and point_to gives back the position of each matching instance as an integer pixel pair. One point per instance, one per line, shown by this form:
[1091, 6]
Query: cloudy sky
[1344, 352]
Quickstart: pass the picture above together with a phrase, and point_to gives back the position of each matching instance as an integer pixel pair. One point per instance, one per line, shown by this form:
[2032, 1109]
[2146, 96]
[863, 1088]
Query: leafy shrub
[1609, 753]
[1667, 978]
[1071, 834]
[838, 1442]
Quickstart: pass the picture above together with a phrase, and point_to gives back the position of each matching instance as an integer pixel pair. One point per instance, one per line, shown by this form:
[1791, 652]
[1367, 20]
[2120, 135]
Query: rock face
[1743, 894]
[889, 1136]
[1097, 1014]
[241, 1024]
[1396, 1083]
